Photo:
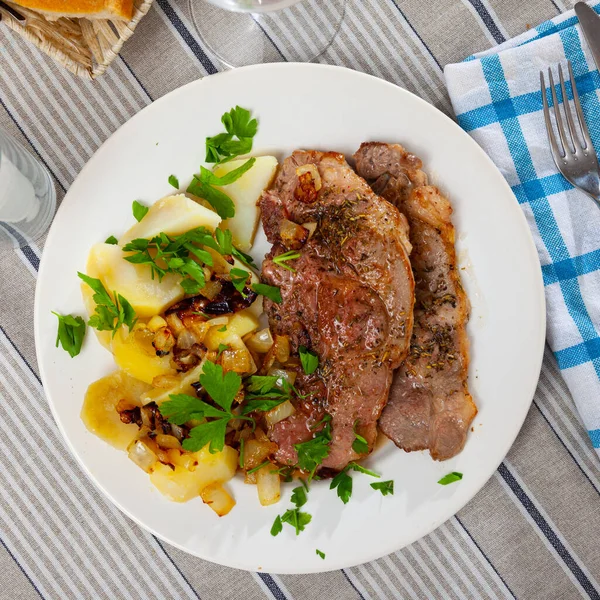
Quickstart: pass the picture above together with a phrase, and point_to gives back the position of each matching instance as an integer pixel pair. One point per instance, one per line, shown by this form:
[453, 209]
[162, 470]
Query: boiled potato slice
[245, 193]
[148, 296]
[181, 485]
[239, 325]
[172, 215]
[218, 498]
[135, 355]
[99, 412]
[159, 395]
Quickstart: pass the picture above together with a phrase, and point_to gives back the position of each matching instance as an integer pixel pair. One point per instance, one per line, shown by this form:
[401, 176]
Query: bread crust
[89, 9]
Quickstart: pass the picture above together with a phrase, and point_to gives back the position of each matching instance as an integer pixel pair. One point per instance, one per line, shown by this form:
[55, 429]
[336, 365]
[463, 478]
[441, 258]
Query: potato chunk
[99, 413]
[172, 215]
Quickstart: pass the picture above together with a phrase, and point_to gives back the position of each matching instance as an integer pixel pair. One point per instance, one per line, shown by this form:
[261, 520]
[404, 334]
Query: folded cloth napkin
[497, 100]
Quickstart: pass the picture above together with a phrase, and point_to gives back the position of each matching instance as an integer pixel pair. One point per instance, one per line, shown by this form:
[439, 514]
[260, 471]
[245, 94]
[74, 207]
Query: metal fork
[574, 156]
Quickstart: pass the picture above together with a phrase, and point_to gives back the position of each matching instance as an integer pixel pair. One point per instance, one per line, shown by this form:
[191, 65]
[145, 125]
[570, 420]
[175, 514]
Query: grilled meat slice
[429, 404]
[349, 298]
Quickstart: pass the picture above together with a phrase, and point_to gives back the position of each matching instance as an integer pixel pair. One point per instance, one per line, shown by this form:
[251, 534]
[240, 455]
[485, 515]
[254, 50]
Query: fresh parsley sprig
[139, 210]
[343, 482]
[181, 408]
[385, 487]
[270, 291]
[359, 445]
[203, 186]
[313, 452]
[293, 516]
[309, 360]
[240, 128]
[109, 314]
[281, 259]
[71, 331]
[450, 478]
[265, 392]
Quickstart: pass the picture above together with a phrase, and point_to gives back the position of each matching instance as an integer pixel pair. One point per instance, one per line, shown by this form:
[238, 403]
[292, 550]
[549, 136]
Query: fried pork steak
[429, 404]
[349, 298]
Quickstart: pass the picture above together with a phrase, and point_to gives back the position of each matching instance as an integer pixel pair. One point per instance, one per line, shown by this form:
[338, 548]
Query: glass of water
[246, 32]
[27, 195]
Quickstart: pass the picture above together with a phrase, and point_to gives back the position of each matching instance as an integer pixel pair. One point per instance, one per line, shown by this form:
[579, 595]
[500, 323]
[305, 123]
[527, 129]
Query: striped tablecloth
[532, 532]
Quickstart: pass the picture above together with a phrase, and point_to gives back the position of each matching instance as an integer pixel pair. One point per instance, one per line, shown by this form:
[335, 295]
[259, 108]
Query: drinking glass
[27, 195]
[245, 32]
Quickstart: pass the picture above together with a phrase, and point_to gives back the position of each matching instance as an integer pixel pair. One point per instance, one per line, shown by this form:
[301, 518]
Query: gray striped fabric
[532, 532]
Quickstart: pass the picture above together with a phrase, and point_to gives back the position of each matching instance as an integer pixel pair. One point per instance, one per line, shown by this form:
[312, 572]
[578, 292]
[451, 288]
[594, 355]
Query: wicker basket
[85, 47]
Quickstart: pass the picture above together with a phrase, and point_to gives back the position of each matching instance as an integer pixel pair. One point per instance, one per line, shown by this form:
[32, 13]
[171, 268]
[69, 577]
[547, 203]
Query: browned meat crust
[429, 404]
[350, 298]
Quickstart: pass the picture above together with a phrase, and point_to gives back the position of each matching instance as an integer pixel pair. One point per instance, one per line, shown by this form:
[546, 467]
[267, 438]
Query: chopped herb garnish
[265, 392]
[356, 467]
[243, 257]
[298, 520]
[309, 360]
[239, 278]
[111, 240]
[321, 554]
[299, 497]
[359, 445]
[174, 181]
[109, 314]
[277, 526]
[281, 259]
[181, 408]
[450, 478]
[385, 487]
[71, 331]
[285, 473]
[139, 210]
[222, 329]
[240, 128]
[270, 291]
[179, 254]
[312, 453]
[221, 349]
[202, 185]
[343, 483]
[267, 462]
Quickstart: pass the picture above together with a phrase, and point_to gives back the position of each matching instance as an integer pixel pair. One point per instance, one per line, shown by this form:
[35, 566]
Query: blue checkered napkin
[496, 97]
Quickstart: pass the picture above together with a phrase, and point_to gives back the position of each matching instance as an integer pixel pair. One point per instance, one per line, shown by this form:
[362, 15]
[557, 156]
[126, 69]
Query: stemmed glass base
[299, 33]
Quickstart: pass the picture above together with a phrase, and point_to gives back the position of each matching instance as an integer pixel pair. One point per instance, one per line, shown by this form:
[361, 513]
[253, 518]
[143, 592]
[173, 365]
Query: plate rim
[536, 286]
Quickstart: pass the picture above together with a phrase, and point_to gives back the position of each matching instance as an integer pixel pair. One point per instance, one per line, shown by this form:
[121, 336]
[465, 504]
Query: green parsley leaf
[277, 527]
[343, 483]
[221, 349]
[210, 178]
[191, 287]
[181, 408]
[212, 432]
[299, 497]
[356, 467]
[309, 360]
[139, 210]
[111, 240]
[221, 388]
[298, 520]
[243, 257]
[71, 331]
[220, 201]
[281, 259]
[224, 241]
[312, 453]
[174, 181]
[270, 291]
[321, 554]
[222, 329]
[450, 478]
[261, 383]
[239, 278]
[359, 445]
[385, 487]
[261, 405]
[238, 122]
[285, 473]
[107, 310]
[267, 462]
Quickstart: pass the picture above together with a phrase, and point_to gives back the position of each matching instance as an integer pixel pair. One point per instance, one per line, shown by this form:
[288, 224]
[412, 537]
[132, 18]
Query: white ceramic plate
[329, 108]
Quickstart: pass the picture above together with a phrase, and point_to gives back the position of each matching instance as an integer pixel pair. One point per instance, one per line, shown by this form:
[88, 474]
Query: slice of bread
[88, 9]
